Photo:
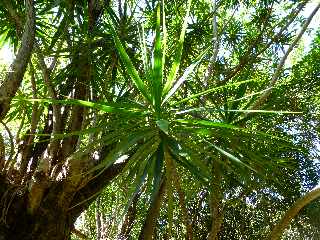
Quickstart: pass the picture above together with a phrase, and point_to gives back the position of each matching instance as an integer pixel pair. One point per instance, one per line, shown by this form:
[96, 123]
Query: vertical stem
[153, 212]
[2, 153]
[176, 182]
[216, 202]
[98, 218]
[215, 44]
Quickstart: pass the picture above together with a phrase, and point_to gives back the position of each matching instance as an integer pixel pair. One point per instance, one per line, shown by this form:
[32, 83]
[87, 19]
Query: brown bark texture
[147, 231]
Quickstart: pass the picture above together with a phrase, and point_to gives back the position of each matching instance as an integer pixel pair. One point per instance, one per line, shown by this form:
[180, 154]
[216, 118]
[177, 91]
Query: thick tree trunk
[48, 210]
[19, 221]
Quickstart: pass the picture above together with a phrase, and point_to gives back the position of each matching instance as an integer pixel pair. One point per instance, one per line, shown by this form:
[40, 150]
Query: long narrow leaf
[165, 36]
[140, 179]
[233, 158]
[143, 46]
[157, 66]
[133, 73]
[188, 159]
[206, 123]
[185, 75]
[121, 148]
[204, 109]
[110, 108]
[143, 153]
[211, 90]
[177, 58]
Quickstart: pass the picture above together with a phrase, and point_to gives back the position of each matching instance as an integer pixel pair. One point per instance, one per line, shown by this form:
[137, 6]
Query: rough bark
[41, 211]
[33, 224]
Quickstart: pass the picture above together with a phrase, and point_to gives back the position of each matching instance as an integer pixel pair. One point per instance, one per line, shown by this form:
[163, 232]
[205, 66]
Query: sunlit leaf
[177, 57]
[233, 158]
[133, 73]
[211, 90]
[184, 77]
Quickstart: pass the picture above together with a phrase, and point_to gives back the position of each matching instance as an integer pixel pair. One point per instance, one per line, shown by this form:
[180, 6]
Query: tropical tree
[170, 104]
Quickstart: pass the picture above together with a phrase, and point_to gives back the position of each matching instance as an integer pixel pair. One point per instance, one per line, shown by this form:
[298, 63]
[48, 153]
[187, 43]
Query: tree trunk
[37, 228]
[149, 225]
[129, 219]
[46, 209]
[49, 221]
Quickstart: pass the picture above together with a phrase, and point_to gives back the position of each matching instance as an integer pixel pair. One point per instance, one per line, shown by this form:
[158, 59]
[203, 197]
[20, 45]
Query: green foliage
[154, 94]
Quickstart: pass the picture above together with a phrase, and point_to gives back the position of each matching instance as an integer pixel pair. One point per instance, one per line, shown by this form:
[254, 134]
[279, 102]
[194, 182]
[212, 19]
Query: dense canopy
[155, 119]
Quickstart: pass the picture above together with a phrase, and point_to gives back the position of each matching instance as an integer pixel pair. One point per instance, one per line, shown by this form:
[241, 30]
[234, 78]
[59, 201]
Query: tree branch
[257, 104]
[215, 44]
[153, 212]
[14, 78]
[292, 212]
[246, 59]
[78, 233]
[86, 195]
[216, 202]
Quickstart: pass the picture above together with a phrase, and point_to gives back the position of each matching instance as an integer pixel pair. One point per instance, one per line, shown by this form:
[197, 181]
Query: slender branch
[247, 60]
[79, 234]
[149, 225]
[27, 148]
[11, 145]
[54, 144]
[2, 153]
[292, 212]
[181, 195]
[215, 44]
[257, 104]
[42, 143]
[98, 217]
[129, 218]
[216, 202]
